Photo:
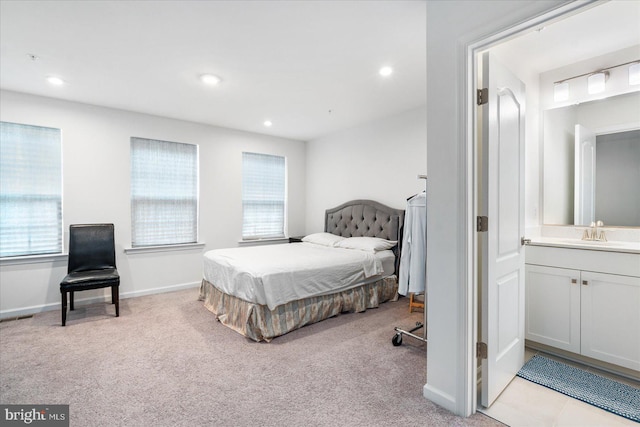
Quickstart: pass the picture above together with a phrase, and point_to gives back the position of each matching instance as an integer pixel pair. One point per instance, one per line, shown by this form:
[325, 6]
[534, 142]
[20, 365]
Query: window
[263, 196]
[30, 190]
[164, 193]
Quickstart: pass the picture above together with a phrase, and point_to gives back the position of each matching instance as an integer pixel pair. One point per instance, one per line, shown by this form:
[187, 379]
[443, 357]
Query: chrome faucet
[601, 237]
[593, 234]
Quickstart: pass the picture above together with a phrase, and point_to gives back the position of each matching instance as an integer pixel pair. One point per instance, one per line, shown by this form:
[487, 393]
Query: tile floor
[524, 403]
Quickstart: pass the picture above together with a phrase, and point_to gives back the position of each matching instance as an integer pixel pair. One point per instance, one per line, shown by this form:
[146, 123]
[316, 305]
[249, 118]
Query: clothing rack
[397, 338]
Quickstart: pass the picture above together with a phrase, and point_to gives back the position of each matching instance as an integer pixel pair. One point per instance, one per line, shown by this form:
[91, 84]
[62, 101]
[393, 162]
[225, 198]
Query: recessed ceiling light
[268, 123]
[386, 71]
[210, 79]
[55, 80]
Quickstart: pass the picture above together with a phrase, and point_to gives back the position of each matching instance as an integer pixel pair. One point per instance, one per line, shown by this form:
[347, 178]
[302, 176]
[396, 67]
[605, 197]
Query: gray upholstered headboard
[366, 218]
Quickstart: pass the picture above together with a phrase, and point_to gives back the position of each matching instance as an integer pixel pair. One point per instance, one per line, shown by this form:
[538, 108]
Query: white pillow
[371, 244]
[324, 239]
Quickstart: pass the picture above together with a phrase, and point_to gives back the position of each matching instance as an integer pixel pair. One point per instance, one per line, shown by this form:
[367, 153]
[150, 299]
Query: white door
[502, 201]
[585, 176]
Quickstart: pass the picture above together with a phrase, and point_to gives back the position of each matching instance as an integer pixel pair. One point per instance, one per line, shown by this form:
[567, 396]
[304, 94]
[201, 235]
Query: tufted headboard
[366, 218]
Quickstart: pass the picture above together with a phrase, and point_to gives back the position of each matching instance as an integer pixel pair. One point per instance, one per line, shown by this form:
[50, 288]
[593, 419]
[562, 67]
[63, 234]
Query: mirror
[616, 194]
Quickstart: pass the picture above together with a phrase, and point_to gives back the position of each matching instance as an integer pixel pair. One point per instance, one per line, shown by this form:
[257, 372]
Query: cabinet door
[611, 318]
[552, 314]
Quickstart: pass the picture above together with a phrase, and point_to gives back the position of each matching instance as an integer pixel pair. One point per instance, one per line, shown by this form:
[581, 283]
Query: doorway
[534, 170]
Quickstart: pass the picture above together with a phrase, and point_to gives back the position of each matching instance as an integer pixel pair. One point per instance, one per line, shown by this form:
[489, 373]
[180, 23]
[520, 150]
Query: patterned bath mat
[610, 395]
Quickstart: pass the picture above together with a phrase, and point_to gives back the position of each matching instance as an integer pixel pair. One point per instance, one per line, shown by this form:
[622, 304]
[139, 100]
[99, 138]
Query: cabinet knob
[574, 281]
[585, 283]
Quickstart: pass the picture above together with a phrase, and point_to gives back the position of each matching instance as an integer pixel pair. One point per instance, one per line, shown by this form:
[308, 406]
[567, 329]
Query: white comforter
[276, 274]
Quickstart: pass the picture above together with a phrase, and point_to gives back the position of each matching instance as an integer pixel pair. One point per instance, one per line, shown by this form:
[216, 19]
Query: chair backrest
[91, 247]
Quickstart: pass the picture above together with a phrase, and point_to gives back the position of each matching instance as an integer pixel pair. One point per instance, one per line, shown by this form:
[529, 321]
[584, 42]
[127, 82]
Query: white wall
[96, 173]
[378, 160]
[612, 114]
[451, 26]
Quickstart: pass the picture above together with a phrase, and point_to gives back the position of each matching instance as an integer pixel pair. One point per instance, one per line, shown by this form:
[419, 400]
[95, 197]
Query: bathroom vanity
[583, 299]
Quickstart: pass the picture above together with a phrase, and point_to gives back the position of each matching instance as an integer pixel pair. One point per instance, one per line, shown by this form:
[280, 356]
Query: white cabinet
[592, 313]
[610, 318]
[552, 307]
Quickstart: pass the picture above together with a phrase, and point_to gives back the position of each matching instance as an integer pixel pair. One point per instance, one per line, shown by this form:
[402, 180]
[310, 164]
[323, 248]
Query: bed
[266, 291]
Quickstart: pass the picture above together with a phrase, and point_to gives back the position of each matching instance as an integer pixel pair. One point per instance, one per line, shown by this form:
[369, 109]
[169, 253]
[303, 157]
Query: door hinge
[482, 223]
[524, 241]
[481, 350]
[482, 96]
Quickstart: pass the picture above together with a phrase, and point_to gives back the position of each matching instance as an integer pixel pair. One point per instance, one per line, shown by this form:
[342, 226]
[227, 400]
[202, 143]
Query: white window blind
[263, 196]
[30, 190]
[164, 192]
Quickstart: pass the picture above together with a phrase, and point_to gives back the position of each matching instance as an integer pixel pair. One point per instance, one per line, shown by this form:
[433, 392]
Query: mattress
[273, 275]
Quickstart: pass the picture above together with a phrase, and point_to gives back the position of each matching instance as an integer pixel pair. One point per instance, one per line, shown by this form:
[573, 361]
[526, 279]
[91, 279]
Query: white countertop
[610, 246]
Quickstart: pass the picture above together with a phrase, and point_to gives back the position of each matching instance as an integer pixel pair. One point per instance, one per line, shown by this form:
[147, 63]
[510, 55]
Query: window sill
[164, 248]
[256, 242]
[33, 259]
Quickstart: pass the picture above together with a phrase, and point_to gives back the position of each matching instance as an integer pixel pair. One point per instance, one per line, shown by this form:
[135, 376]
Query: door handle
[524, 241]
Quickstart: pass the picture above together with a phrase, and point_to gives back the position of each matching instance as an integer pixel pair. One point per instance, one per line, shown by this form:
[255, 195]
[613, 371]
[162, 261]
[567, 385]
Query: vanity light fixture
[210, 79]
[56, 81]
[560, 91]
[596, 82]
[634, 74]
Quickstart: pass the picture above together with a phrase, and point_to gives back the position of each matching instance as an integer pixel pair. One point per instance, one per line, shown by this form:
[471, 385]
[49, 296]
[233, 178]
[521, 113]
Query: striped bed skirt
[259, 323]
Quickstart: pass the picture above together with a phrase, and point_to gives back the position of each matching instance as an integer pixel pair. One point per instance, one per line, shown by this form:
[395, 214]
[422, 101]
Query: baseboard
[162, 290]
[27, 311]
[440, 398]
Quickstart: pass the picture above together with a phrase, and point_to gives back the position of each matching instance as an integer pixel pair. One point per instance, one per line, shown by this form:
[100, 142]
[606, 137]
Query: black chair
[92, 263]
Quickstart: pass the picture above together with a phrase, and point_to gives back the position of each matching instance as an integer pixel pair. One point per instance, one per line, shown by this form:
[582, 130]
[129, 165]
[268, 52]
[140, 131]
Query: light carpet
[167, 362]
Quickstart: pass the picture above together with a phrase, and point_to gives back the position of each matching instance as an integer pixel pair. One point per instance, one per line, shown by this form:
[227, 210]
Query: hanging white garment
[413, 259]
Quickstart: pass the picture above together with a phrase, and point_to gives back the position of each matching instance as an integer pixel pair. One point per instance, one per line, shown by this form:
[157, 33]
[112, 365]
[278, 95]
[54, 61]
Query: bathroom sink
[588, 242]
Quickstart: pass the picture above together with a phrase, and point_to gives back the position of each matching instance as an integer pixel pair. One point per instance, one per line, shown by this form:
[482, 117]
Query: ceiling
[310, 67]
[604, 28]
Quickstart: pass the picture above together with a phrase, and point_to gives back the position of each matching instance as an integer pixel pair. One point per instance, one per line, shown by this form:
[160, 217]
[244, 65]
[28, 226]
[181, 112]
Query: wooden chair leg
[71, 302]
[64, 307]
[414, 303]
